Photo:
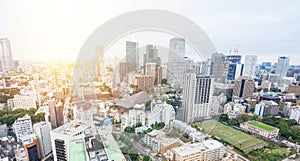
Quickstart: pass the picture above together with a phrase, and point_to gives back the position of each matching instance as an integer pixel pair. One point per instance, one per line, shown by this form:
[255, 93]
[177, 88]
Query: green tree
[186, 135]
[244, 117]
[147, 158]
[255, 117]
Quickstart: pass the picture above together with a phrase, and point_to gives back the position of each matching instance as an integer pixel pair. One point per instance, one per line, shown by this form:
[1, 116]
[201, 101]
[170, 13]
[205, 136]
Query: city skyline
[42, 37]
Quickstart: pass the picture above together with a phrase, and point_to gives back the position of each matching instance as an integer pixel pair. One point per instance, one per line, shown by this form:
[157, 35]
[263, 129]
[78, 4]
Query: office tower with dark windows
[234, 71]
[233, 58]
[6, 58]
[132, 55]
[282, 66]
[176, 62]
[250, 65]
[243, 87]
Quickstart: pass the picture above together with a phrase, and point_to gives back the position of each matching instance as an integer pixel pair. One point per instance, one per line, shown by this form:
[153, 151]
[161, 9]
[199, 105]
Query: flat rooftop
[188, 149]
[262, 126]
[71, 128]
[77, 150]
[112, 148]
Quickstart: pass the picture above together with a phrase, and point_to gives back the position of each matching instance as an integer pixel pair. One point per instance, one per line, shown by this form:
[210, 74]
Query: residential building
[207, 150]
[266, 108]
[132, 117]
[261, 129]
[42, 131]
[3, 130]
[22, 102]
[161, 112]
[22, 126]
[295, 114]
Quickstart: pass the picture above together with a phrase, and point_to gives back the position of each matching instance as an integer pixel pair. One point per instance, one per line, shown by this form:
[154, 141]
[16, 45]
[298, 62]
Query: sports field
[232, 136]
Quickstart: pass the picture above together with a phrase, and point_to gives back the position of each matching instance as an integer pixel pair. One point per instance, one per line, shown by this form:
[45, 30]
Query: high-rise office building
[22, 126]
[63, 137]
[218, 65]
[243, 87]
[132, 55]
[282, 66]
[234, 71]
[250, 65]
[233, 58]
[6, 58]
[176, 62]
[151, 55]
[42, 131]
[197, 95]
[123, 71]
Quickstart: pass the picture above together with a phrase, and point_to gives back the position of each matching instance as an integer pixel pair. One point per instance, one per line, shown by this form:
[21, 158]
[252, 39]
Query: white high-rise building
[22, 126]
[282, 66]
[63, 136]
[197, 95]
[295, 114]
[42, 131]
[176, 62]
[6, 59]
[250, 65]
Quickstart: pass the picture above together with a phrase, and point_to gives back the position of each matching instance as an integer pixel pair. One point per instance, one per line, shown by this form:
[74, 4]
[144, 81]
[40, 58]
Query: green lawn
[262, 126]
[232, 136]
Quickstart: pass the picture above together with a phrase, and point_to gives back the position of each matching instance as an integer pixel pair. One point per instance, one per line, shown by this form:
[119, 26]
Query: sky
[56, 30]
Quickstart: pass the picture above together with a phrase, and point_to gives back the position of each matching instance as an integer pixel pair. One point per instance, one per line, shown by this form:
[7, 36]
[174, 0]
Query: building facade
[176, 62]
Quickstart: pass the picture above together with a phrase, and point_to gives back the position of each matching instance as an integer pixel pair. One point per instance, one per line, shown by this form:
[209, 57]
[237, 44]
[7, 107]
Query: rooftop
[261, 125]
[112, 148]
[188, 149]
[77, 150]
[139, 98]
[71, 128]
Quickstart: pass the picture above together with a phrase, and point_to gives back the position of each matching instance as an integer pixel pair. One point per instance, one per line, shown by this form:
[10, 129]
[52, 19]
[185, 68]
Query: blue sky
[55, 30]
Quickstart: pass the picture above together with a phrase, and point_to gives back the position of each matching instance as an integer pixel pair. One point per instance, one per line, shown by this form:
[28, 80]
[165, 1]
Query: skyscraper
[234, 71]
[123, 71]
[176, 62]
[218, 65]
[250, 65]
[6, 58]
[197, 94]
[282, 66]
[243, 87]
[42, 131]
[233, 58]
[132, 55]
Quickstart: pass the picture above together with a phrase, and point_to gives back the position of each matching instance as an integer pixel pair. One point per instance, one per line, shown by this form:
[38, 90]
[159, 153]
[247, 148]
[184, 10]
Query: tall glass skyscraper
[282, 66]
[250, 65]
[176, 62]
[6, 59]
[132, 55]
